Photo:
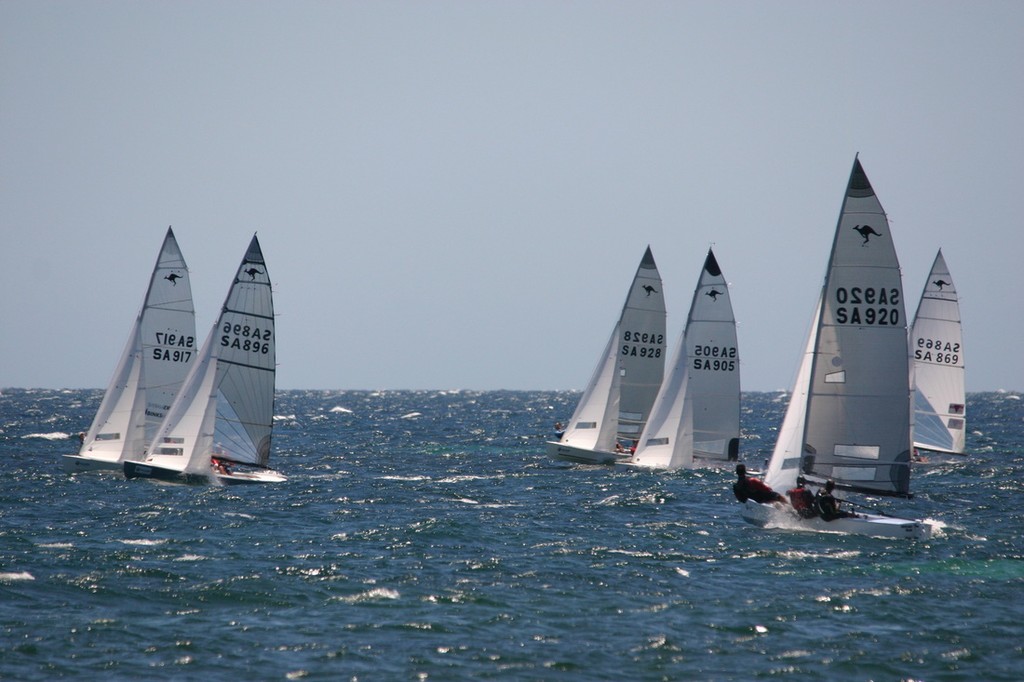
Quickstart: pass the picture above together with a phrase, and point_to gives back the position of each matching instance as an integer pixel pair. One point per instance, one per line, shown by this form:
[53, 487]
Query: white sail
[595, 422]
[936, 342]
[667, 440]
[225, 408]
[160, 350]
[714, 366]
[856, 423]
[784, 465]
[617, 402]
[697, 410]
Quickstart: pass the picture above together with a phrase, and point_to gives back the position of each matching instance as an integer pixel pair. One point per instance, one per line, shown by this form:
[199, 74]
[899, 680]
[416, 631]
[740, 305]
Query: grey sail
[856, 425]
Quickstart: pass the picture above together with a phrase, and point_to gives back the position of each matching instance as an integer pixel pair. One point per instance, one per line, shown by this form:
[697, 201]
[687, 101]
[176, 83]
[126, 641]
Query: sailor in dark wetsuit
[750, 488]
[828, 506]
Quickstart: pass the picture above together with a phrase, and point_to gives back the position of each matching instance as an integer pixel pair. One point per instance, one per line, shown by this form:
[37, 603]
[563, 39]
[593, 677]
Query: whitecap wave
[56, 435]
[14, 577]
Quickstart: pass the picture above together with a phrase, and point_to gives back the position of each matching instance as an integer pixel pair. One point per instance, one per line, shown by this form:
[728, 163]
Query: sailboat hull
[770, 516]
[583, 455]
[74, 464]
[143, 470]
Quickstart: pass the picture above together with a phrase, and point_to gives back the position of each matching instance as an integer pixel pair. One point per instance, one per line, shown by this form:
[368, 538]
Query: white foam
[13, 577]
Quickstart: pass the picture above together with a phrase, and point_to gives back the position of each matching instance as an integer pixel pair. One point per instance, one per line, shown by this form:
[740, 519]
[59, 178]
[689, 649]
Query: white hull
[76, 463]
[582, 455]
[770, 516]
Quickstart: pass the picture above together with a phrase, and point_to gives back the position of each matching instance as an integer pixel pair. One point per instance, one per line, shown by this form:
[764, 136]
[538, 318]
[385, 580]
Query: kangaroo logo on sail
[940, 283]
[649, 289]
[714, 294]
[866, 231]
[867, 306]
[252, 272]
[173, 278]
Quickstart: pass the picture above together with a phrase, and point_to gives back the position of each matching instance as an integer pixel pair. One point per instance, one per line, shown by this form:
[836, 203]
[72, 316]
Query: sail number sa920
[867, 306]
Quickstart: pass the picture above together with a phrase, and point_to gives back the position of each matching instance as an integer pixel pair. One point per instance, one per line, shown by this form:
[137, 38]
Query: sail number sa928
[642, 344]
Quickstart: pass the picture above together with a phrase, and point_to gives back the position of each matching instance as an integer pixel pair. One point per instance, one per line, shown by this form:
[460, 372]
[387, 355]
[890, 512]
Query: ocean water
[426, 536]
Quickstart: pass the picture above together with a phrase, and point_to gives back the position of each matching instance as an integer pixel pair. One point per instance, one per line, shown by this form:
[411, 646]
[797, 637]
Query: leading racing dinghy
[223, 415]
[849, 418]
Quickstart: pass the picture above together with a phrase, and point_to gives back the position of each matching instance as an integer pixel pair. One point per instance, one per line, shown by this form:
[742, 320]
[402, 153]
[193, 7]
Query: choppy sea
[426, 536]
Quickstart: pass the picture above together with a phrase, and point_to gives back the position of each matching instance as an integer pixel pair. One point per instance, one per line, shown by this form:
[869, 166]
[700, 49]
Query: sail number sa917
[173, 347]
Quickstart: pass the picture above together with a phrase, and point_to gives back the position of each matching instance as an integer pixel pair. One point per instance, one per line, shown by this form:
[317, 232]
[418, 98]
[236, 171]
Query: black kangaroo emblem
[252, 272]
[649, 289]
[173, 278]
[866, 231]
[942, 283]
[714, 294]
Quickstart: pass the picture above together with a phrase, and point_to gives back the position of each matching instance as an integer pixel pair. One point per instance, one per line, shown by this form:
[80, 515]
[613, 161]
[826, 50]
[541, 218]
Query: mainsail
[936, 343]
[160, 350]
[225, 408]
[854, 384]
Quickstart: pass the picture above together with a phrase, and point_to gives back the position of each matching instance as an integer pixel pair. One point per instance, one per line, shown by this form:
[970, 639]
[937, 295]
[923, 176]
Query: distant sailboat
[936, 342]
[849, 413]
[223, 415]
[617, 402]
[160, 350]
[697, 411]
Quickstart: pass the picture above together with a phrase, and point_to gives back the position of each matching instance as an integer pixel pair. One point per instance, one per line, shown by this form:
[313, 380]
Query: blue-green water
[425, 535]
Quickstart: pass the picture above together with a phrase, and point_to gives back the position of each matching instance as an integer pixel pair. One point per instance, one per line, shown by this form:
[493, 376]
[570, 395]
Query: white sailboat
[849, 414]
[936, 341]
[160, 350]
[223, 415]
[697, 411]
[617, 402]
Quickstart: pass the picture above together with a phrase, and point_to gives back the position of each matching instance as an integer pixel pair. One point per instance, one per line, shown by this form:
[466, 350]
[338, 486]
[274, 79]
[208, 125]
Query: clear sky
[456, 194]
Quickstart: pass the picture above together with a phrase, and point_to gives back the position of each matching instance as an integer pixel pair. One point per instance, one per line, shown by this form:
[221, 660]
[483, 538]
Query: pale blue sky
[457, 194]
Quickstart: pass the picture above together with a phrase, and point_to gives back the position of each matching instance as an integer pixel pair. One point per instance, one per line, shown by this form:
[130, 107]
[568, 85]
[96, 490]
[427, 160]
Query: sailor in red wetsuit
[802, 499]
[750, 488]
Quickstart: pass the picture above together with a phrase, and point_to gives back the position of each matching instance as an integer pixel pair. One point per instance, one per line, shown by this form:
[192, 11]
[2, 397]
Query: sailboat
[221, 419]
[157, 356]
[848, 418]
[617, 402]
[936, 342]
[697, 410]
